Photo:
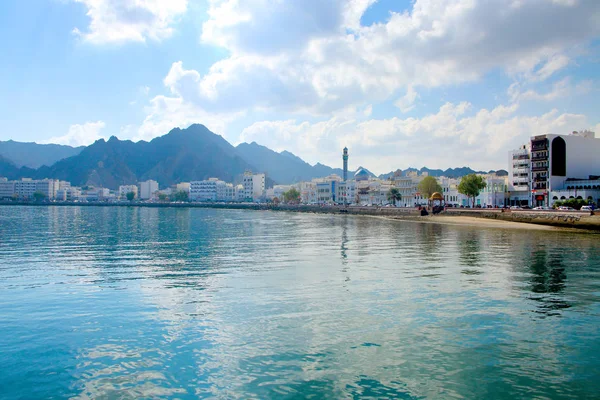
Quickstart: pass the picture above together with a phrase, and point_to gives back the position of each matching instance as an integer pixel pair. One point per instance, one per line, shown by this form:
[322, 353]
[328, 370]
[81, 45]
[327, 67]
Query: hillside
[182, 155]
[33, 155]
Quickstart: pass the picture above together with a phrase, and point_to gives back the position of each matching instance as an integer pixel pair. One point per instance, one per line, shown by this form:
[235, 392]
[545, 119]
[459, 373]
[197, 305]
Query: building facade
[124, 189]
[254, 186]
[147, 189]
[519, 176]
[558, 158]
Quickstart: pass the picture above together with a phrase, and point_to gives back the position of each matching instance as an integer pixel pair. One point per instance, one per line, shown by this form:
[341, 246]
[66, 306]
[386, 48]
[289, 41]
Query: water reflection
[203, 303]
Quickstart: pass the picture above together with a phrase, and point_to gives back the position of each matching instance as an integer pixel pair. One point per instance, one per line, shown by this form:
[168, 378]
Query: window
[559, 157]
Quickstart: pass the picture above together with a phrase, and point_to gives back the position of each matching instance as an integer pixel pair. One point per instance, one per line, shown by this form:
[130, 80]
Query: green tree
[394, 195]
[428, 186]
[162, 197]
[292, 196]
[39, 196]
[130, 196]
[181, 195]
[471, 185]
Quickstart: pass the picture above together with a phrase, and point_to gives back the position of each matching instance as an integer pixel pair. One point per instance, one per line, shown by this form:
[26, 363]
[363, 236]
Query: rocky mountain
[9, 170]
[33, 155]
[182, 155]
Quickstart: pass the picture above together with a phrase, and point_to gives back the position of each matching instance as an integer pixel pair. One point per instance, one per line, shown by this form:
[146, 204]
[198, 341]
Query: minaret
[345, 158]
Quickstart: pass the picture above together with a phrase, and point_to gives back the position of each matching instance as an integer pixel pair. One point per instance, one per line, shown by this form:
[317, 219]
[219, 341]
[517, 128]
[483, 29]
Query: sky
[436, 83]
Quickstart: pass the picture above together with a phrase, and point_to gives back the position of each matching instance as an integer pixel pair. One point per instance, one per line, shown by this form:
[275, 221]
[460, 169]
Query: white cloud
[80, 135]
[560, 89]
[407, 102]
[166, 113]
[314, 60]
[450, 137]
[554, 64]
[315, 57]
[119, 21]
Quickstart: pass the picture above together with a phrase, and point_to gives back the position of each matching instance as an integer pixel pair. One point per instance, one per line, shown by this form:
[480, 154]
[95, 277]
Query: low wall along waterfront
[564, 219]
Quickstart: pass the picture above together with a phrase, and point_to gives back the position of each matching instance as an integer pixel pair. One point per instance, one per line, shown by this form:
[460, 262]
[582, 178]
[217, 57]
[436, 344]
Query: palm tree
[394, 195]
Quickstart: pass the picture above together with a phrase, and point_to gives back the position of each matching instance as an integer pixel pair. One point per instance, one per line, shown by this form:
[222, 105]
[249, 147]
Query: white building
[124, 189]
[7, 188]
[239, 193]
[205, 190]
[254, 186]
[308, 192]
[583, 189]
[26, 187]
[147, 189]
[212, 189]
[556, 158]
[519, 176]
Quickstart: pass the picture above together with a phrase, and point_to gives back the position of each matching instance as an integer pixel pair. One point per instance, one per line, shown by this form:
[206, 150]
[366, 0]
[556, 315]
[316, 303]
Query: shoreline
[489, 218]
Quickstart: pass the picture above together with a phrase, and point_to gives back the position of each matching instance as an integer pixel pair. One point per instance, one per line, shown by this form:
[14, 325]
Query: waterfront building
[225, 191]
[346, 192]
[239, 192]
[450, 192]
[495, 193]
[27, 187]
[327, 189]
[7, 189]
[254, 186]
[182, 187]
[556, 158]
[308, 192]
[124, 189]
[147, 189]
[582, 189]
[212, 189]
[205, 190]
[519, 176]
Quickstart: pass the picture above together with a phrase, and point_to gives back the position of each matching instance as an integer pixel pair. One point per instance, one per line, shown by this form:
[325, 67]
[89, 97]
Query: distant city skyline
[400, 83]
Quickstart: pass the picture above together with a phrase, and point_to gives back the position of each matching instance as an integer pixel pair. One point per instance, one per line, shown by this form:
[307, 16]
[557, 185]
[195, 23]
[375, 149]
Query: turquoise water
[121, 302]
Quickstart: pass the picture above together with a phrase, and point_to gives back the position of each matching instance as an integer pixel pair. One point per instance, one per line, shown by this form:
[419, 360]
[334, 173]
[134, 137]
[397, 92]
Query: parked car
[565, 208]
[587, 208]
[541, 208]
[515, 208]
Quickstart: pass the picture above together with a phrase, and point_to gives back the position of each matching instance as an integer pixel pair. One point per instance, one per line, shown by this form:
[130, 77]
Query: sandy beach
[481, 222]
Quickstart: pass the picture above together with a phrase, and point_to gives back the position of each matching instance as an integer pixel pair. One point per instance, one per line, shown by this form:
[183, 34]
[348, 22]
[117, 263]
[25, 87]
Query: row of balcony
[541, 145]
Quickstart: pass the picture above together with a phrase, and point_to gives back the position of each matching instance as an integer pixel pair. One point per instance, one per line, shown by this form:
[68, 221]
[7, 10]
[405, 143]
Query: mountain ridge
[183, 155]
[35, 155]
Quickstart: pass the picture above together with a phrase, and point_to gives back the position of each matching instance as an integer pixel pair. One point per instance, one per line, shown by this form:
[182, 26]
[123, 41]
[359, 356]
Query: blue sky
[441, 83]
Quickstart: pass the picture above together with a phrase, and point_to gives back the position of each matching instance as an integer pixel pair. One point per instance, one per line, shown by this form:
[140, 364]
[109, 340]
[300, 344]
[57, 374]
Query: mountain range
[33, 155]
[182, 155]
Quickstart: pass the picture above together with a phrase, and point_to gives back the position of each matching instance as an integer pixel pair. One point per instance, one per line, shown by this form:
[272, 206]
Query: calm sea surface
[120, 302]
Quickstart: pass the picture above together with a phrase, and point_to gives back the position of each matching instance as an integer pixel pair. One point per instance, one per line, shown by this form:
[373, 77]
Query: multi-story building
[556, 158]
[7, 188]
[205, 190]
[239, 193]
[124, 189]
[147, 189]
[27, 187]
[519, 176]
[212, 189]
[225, 191]
[254, 186]
[308, 192]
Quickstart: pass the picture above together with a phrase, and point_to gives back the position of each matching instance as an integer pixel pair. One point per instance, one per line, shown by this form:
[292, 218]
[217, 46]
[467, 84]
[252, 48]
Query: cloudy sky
[437, 83]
